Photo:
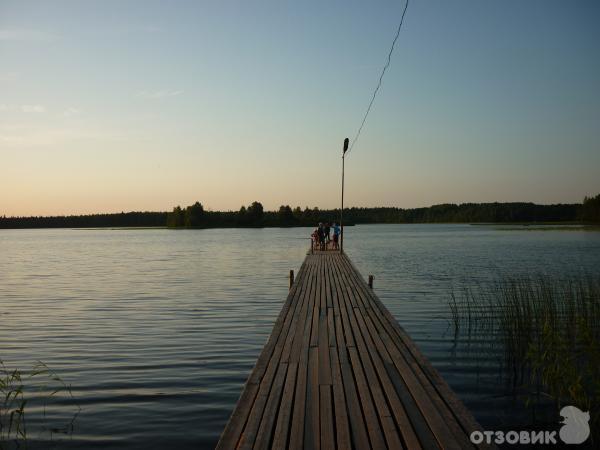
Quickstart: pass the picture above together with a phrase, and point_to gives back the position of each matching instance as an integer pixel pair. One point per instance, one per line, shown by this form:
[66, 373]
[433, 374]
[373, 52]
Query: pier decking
[338, 372]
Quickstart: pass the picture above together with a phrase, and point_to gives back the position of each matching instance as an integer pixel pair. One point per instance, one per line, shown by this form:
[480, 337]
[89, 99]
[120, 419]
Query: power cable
[387, 64]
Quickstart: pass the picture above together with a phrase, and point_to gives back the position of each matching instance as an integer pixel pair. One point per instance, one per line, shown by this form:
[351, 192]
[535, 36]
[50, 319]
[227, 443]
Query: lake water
[156, 330]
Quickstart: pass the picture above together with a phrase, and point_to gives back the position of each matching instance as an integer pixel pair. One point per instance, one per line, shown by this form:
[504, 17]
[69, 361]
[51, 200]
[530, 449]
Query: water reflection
[157, 330]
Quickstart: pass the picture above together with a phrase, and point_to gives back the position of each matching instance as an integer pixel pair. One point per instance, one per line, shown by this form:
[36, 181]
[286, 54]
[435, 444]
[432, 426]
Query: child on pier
[336, 236]
[315, 239]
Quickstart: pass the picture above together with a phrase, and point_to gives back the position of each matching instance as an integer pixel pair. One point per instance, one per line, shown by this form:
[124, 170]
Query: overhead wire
[387, 64]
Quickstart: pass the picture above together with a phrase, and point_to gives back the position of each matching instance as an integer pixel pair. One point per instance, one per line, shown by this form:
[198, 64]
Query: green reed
[546, 329]
[15, 385]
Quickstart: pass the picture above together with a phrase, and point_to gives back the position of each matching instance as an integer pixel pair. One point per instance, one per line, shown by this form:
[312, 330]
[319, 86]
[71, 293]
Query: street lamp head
[346, 142]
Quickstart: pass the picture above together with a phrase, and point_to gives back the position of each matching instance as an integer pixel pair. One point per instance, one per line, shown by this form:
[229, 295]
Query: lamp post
[346, 141]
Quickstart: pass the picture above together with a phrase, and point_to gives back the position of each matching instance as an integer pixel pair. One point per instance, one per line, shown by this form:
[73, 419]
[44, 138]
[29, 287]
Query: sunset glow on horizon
[133, 106]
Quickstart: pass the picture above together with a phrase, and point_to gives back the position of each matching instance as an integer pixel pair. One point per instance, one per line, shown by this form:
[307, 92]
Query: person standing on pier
[336, 236]
[322, 236]
[314, 237]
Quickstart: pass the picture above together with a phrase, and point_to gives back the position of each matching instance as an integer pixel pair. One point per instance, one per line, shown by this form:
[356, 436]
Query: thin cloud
[164, 93]
[8, 76]
[23, 135]
[139, 28]
[70, 112]
[21, 34]
[121, 30]
[33, 108]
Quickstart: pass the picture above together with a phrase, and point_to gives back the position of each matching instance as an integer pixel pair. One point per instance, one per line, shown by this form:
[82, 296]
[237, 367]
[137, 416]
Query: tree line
[123, 219]
[254, 215]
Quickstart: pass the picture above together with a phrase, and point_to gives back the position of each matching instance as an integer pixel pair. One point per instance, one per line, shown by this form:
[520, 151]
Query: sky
[109, 106]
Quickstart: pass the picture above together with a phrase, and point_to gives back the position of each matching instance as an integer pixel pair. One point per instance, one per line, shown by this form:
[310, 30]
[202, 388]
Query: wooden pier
[338, 372]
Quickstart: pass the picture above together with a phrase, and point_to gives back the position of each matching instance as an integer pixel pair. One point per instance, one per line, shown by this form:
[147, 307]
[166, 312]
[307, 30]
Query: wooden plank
[314, 338]
[334, 292]
[331, 326]
[278, 328]
[250, 432]
[258, 408]
[420, 426]
[396, 391]
[297, 323]
[305, 316]
[300, 400]
[346, 378]
[425, 402]
[280, 439]
[367, 400]
[328, 295]
[373, 427]
[326, 415]
[367, 378]
[297, 426]
[448, 421]
[357, 420]
[235, 426]
[312, 440]
[342, 426]
[343, 312]
[338, 372]
[386, 375]
[324, 363]
[322, 294]
[298, 418]
[266, 429]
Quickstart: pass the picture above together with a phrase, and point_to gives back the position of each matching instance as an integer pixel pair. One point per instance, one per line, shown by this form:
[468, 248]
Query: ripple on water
[157, 330]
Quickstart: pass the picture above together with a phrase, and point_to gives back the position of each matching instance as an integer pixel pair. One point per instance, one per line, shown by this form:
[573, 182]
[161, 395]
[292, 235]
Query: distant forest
[255, 216]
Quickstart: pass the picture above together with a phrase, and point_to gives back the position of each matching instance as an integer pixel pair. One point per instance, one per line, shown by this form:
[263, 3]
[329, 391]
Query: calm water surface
[157, 330]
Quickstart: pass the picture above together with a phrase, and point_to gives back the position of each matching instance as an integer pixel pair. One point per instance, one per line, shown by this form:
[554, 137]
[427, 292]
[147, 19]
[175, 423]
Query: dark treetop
[255, 216]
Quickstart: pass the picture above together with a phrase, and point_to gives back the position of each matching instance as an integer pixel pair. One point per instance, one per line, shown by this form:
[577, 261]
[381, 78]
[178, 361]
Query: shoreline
[575, 226]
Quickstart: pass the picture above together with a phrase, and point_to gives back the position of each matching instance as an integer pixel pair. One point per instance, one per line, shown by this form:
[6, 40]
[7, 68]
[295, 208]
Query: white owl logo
[576, 428]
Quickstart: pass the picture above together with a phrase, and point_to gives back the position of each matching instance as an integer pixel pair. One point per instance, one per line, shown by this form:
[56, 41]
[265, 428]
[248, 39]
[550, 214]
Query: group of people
[321, 236]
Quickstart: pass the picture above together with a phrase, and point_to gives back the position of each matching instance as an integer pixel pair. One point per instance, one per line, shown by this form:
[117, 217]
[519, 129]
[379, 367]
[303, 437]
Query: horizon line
[292, 207]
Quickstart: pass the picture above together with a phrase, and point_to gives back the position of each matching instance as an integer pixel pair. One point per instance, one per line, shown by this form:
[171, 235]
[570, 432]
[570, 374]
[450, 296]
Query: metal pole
[342, 210]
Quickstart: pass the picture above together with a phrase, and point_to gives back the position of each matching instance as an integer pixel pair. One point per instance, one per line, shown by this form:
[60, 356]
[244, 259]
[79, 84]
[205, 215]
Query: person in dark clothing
[322, 236]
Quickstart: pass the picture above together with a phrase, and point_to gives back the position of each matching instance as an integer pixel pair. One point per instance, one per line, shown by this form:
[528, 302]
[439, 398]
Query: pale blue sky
[136, 105]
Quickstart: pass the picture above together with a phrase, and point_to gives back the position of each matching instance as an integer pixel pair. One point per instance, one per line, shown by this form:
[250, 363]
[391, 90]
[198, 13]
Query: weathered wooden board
[338, 372]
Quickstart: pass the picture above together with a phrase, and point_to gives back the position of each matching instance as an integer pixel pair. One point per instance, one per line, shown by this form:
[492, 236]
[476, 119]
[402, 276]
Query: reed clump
[546, 329]
[15, 387]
